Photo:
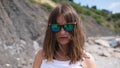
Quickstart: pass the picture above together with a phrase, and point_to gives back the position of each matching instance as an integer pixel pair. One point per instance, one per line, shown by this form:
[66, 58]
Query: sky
[110, 5]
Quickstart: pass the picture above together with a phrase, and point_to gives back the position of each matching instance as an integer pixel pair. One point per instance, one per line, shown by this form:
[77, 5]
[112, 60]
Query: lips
[63, 38]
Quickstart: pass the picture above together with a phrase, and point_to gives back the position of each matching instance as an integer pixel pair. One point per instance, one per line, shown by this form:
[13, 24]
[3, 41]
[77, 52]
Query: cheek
[56, 36]
[69, 36]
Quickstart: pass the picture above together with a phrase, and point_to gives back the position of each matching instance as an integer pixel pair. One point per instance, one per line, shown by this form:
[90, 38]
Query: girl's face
[62, 37]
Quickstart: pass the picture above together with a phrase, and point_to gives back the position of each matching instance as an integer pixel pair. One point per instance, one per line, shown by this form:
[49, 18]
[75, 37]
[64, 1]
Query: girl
[64, 42]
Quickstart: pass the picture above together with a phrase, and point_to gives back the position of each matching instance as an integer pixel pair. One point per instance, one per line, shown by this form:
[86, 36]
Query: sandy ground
[105, 57]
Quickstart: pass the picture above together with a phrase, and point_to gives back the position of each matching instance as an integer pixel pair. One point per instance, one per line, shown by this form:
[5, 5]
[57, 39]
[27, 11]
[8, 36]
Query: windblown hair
[76, 47]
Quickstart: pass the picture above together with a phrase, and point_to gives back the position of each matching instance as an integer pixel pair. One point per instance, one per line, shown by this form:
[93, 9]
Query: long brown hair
[75, 50]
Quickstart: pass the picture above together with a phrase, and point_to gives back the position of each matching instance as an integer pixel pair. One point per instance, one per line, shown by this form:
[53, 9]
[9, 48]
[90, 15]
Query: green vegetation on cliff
[102, 17]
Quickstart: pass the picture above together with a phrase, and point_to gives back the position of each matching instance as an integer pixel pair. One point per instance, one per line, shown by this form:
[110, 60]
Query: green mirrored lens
[55, 27]
[68, 27]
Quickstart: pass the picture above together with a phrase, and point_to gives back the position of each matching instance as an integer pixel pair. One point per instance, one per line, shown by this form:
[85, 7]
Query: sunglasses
[67, 27]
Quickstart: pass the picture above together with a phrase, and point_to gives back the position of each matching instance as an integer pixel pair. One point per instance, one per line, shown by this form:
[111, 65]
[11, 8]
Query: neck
[63, 49]
[61, 54]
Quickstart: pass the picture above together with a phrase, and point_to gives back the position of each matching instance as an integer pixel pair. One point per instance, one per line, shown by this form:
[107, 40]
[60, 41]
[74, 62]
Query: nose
[62, 31]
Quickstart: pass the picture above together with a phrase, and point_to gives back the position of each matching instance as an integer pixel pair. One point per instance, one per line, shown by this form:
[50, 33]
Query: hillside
[94, 29]
[92, 19]
[22, 28]
[21, 23]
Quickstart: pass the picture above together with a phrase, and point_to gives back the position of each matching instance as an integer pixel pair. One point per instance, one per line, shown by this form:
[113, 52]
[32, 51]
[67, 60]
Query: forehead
[61, 20]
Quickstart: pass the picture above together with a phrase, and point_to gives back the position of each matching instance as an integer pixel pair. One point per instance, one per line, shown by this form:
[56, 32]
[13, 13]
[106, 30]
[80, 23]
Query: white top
[60, 64]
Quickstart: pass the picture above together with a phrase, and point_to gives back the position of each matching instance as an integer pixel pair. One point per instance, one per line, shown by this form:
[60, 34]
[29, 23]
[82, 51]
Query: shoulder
[88, 61]
[38, 59]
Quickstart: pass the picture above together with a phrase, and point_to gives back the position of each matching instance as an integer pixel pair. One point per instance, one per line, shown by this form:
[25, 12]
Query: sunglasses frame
[62, 26]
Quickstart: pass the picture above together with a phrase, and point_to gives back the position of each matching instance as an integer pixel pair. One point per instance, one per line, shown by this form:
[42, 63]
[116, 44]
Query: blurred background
[23, 24]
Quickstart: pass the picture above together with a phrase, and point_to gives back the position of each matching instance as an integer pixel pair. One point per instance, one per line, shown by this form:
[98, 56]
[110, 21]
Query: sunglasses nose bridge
[62, 28]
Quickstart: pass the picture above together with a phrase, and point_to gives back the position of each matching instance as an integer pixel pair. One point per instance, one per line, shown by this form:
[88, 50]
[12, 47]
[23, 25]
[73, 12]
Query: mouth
[63, 37]
[63, 40]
